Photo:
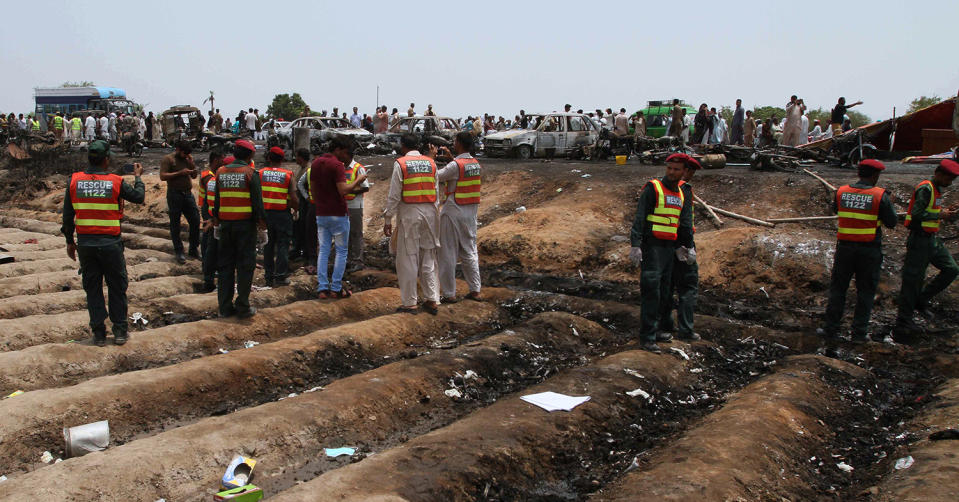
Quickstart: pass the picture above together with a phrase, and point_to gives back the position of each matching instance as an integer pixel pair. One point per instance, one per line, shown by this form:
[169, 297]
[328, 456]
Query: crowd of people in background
[707, 126]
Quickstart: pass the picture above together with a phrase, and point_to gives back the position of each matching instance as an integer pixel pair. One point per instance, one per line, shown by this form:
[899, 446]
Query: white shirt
[357, 202]
[447, 176]
[250, 121]
[417, 224]
[816, 132]
[620, 124]
[396, 187]
[91, 123]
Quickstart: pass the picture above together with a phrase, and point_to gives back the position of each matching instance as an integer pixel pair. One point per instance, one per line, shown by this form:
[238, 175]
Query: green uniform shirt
[256, 195]
[687, 198]
[919, 213]
[887, 211]
[643, 230]
[134, 194]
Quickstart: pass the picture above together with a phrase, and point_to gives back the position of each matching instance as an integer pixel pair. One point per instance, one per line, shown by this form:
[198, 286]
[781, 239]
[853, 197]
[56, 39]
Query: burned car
[421, 127]
[552, 134]
[322, 131]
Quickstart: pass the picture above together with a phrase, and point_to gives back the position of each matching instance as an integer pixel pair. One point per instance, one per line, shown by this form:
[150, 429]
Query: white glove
[636, 256]
[685, 254]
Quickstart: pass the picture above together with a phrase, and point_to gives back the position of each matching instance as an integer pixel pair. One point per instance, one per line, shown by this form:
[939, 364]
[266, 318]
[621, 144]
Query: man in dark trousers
[925, 247]
[307, 212]
[238, 211]
[685, 277]
[208, 242]
[93, 208]
[663, 223]
[862, 208]
[739, 119]
[302, 159]
[279, 198]
[177, 169]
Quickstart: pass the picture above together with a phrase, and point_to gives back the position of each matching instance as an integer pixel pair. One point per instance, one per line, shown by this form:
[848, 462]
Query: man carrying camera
[93, 208]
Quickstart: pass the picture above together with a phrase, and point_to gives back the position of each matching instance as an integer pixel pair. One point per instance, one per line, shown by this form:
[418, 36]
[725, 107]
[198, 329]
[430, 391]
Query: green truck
[657, 113]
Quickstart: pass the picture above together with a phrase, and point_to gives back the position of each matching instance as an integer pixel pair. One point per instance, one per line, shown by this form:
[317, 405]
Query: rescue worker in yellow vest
[56, 126]
[412, 199]
[461, 180]
[279, 198]
[237, 211]
[207, 198]
[863, 208]
[93, 207]
[34, 124]
[685, 278]
[76, 126]
[662, 225]
[925, 247]
[354, 207]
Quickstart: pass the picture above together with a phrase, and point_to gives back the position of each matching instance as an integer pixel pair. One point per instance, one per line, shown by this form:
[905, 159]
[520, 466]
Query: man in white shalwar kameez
[461, 182]
[90, 124]
[792, 128]
[413, 200]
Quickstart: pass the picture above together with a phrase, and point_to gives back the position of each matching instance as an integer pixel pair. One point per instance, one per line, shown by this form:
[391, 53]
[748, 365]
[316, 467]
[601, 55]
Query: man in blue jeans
[329, 188]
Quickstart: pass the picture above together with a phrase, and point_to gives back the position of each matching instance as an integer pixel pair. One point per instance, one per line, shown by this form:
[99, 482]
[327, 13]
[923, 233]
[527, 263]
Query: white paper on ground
[552, 401]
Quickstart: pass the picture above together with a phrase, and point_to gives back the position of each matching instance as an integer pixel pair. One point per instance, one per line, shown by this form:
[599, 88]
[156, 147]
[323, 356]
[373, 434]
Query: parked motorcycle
[851, 148]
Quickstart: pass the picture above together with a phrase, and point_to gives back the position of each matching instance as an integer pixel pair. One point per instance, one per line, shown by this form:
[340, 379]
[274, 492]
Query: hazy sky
[484, 57]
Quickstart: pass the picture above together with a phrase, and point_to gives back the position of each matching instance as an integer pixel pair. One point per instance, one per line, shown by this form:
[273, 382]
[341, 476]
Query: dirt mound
[542, 239]
[45, 170]
[743, 260]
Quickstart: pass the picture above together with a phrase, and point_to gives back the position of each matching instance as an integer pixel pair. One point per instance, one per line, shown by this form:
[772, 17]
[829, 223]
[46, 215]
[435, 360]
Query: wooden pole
[709, 209]
[747, 219]
[801, 218]
[824, 182]
[798, 219]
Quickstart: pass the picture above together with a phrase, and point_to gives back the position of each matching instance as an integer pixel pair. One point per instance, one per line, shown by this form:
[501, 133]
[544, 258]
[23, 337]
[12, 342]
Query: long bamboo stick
[824, 182]
[801, 218]
[747, 219]
[798, 219]
[709, 209]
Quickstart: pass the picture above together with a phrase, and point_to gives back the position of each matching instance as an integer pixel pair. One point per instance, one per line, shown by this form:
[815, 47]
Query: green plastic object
[248, 493]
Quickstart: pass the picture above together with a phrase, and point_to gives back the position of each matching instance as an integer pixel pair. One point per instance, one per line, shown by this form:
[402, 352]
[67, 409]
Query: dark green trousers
[923, 250]
[685, 282]
[276, 252]
[236, 256]
[209, 247]
[864, 263]
[655, 284]
[99, 263]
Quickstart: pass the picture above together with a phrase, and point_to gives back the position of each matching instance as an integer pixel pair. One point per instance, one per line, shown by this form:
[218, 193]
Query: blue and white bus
[50, 100]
